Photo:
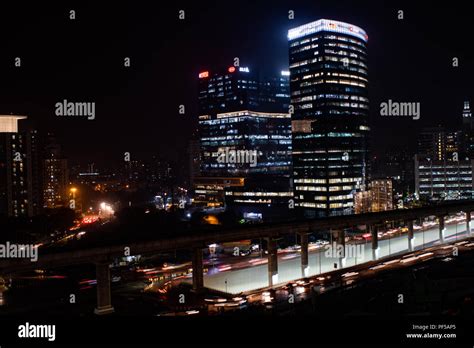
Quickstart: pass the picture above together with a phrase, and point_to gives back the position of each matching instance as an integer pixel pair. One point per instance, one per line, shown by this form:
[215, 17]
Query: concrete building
[20, 169]
[443, 180]
[55, 175]
[379, 197]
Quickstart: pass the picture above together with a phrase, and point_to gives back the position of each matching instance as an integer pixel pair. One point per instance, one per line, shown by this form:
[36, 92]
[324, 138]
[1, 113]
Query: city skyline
[190, 167]
[398, 57]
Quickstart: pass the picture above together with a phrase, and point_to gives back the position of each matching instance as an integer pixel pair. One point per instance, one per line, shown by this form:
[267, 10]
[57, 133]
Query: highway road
[255, 276]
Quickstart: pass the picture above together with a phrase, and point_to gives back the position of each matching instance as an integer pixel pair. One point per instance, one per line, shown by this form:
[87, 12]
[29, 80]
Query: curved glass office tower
[329, 95]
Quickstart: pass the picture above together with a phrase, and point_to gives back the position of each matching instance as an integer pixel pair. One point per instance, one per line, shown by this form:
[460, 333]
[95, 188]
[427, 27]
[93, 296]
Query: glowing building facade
[329, 96]
[20, 177]
[245, 142]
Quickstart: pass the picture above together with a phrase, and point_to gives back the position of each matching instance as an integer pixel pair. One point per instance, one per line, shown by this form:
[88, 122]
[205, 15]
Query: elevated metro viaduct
[102, 256]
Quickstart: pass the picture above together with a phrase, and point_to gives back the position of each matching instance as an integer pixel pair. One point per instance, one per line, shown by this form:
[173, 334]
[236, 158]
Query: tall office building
[194, 157]
[20, 178]
[438, 144]
[55, 175]
[379, 197]
[467, 115]
[468, 130]
[329, 94]
[395, 163]
[381, 191]
[245, 142]
[444, 180]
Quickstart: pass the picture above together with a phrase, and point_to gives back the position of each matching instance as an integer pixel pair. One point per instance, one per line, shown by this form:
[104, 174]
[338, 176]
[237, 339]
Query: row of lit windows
[334, 104]
[328, 58]
[227, 120]
[447, 179]
[466, 172]
[304, 48]
[344, 39]
[261, 145]
[442, 185]
[341, 197]
[245, 136]
[324, 188]
[327, 103]
[311, 188]
[346, 46]
[313, 90]
[324, 81]
[343, 53]
[311, 205]
[445, 169]
[327, 37]
[329, 96]
[447, 174]
[324, 206]
[323, 181]
[252, 201]
[316, 112]
[260, 194]
[324, 152]
[338, 74]
[328, 66]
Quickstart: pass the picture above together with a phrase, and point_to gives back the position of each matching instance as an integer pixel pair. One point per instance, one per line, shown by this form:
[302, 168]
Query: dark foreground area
[427, 303]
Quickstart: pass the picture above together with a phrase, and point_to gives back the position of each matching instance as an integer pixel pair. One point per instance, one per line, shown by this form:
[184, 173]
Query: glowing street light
[106, 209]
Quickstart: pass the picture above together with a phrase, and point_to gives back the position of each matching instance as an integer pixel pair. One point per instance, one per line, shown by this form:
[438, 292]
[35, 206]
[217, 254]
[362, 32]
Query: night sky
[137, 107]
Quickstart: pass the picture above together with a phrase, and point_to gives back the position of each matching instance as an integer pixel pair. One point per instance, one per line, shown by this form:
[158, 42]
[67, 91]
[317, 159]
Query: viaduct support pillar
[441, 228]
[104, 301]
[304, 255]
[198, 276]
[411, 245]
[375, 241]
[468, 223]
[341, 247]
[272, 261]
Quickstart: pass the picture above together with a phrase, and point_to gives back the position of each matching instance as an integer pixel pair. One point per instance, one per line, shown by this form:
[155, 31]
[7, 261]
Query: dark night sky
[137, 107]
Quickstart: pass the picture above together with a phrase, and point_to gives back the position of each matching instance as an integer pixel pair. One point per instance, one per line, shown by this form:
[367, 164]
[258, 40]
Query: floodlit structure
[329, 93]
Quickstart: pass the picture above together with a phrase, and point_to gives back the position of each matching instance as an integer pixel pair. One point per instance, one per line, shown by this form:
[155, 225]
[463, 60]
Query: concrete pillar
[272, 261]
[468, 223]
[341, 244]
[411, 245]
[375, 241]
[104, 302]
[441, 228]
[198, 276]
[304, 255]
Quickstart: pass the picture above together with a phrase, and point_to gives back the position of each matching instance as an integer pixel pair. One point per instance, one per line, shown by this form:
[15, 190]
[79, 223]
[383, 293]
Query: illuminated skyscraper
[245, 142]
[55, 175]
[466, 113]
[438, 144]
[468, 130]
[329, 94]
[20, 189]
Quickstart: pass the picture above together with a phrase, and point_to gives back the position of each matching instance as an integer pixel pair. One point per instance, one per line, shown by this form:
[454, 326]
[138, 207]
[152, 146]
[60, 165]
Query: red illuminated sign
[204, 74]
[231, 69]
